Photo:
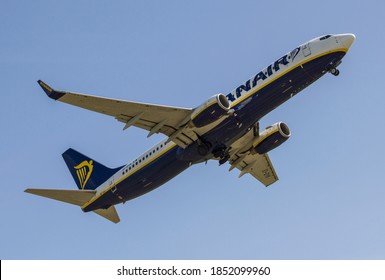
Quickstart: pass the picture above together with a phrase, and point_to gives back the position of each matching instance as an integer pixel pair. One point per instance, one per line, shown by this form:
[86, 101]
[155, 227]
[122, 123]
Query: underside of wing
[167, 120]
[245, 159]
[259, 166]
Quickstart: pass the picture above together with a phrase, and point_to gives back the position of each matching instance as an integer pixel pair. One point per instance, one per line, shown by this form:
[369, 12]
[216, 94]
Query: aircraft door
[306, 50]
[114, 189]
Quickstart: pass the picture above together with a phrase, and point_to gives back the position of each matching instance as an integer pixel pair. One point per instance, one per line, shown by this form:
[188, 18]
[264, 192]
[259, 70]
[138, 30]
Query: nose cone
[346, 39]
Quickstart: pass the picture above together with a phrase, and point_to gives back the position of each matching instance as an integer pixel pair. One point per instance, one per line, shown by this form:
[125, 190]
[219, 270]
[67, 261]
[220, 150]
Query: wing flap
[260, 167]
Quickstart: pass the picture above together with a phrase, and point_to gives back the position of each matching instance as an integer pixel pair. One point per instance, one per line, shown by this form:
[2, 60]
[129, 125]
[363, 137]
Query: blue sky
[330, 200]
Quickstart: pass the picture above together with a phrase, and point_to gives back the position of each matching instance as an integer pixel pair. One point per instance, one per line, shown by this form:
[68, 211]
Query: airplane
[224, 128]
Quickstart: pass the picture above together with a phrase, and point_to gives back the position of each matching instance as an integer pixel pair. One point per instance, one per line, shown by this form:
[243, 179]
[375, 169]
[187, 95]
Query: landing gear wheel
[224, 159]
[334, 71]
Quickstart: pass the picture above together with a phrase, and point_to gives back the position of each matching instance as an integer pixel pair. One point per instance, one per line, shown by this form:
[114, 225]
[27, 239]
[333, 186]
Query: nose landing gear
[332, 68]
[334, 71]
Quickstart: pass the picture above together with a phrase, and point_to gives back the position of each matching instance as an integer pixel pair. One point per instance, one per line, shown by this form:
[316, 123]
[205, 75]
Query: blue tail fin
[87, 173]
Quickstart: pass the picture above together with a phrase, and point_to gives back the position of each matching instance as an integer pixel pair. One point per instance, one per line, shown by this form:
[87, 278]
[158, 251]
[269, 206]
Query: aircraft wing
[259, 166]
[171, 121]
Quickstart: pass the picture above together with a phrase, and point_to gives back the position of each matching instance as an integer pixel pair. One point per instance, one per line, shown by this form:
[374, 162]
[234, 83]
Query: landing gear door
[306, 50]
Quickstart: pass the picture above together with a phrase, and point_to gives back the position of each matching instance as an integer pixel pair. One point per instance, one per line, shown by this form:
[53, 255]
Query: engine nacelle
[210, 111]
[271, 138]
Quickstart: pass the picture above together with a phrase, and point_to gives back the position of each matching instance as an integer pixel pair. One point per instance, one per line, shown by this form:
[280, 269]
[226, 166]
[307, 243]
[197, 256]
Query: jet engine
[212, 110]
[271, 138]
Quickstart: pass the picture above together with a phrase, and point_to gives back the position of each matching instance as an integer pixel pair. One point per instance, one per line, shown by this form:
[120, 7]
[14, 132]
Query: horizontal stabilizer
[76, 197]
[109, 214]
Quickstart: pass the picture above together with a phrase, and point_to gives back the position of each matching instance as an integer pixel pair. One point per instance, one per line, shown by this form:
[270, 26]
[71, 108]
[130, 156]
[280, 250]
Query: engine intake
[212, 110]
[271, 138]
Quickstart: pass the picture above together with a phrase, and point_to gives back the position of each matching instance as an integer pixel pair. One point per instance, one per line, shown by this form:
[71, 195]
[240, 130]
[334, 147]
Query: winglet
[51, 93]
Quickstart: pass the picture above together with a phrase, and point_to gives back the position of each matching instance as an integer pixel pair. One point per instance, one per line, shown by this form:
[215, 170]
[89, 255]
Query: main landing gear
[222, 153]
[203, 146]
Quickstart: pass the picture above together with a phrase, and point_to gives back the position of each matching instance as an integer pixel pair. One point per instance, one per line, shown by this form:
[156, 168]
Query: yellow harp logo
[84, 170]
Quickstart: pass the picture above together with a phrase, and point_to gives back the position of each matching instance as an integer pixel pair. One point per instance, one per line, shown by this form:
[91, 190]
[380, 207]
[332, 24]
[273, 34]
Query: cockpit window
[325, 37]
